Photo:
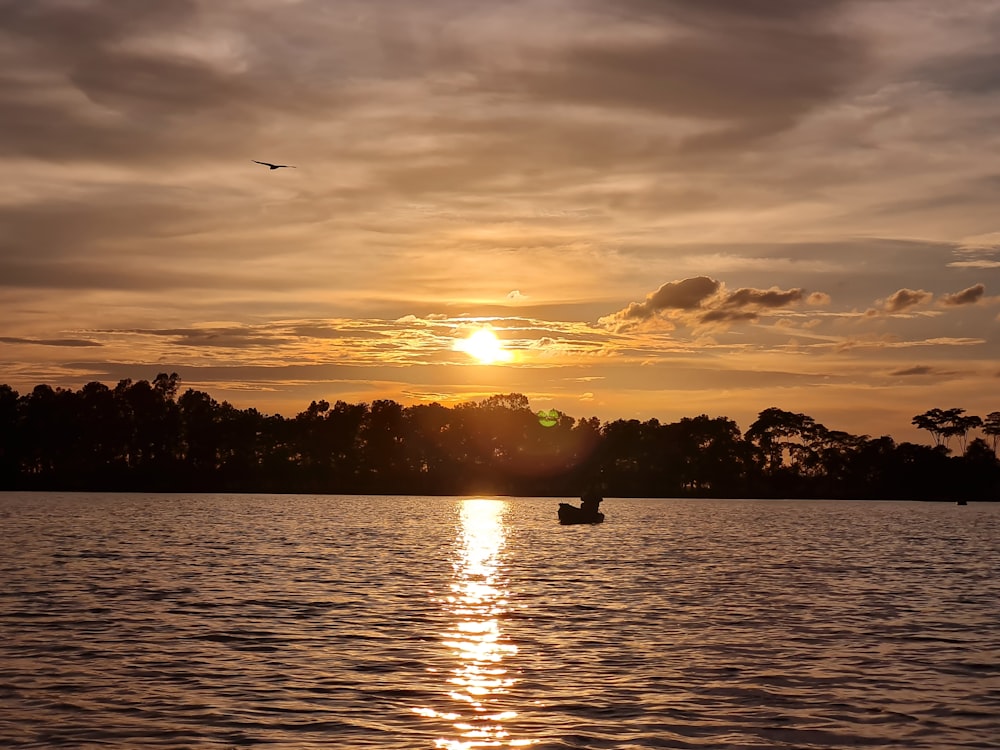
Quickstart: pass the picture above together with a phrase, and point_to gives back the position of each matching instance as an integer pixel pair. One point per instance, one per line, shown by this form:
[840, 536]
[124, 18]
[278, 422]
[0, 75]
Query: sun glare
[484, 345]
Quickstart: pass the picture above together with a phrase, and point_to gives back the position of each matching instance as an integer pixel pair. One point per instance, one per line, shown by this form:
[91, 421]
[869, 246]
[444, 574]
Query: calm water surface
[199, 621]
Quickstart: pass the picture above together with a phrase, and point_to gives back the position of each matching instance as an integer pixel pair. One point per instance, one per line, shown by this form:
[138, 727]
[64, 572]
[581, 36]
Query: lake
[242, 621]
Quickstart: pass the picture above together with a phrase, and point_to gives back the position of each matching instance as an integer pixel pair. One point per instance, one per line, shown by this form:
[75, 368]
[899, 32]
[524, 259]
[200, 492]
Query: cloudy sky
[662, 208]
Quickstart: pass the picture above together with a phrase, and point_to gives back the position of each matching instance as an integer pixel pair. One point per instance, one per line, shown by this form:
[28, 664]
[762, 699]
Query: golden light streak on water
[480, 680]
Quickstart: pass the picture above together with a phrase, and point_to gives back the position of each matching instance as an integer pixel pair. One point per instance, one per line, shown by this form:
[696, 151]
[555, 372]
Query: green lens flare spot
[548, 418]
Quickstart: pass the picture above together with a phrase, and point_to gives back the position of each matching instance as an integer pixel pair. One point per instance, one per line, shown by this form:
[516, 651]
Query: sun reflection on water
[480, 680]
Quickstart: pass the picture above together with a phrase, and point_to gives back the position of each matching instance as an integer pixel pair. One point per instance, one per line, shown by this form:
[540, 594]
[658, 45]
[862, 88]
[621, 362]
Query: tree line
[143, 436]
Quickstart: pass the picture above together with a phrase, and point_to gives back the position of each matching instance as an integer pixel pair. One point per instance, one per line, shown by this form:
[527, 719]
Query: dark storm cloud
[968, 296]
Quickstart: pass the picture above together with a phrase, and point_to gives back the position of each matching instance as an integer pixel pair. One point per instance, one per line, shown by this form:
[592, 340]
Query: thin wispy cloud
[918, 371]
[49, 342]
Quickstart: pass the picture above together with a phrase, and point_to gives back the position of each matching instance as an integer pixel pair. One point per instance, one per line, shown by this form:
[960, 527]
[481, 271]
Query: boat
[570, 514]
[588, 512]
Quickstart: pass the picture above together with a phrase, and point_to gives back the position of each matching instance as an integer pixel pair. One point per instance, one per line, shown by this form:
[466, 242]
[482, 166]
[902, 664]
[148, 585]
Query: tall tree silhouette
[991, 428]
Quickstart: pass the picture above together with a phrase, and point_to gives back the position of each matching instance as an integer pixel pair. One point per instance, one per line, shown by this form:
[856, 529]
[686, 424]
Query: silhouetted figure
[274, 166]
[590, 502]
[588, 512]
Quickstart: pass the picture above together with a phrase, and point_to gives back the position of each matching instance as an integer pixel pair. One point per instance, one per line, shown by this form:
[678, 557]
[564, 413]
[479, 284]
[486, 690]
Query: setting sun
[484, 346]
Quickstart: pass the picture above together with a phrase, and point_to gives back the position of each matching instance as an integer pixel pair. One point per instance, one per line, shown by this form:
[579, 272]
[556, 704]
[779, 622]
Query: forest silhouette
[142, 436]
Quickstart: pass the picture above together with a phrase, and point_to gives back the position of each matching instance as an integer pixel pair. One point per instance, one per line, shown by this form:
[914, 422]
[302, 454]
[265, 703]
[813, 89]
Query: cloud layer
[742, 202]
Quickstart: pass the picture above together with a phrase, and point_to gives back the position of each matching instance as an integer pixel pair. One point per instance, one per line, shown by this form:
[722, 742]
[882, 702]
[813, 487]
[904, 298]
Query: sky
[661, 208]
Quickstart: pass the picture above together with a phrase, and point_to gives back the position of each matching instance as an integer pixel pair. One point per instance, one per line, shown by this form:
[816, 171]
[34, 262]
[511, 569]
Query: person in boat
[590, 502]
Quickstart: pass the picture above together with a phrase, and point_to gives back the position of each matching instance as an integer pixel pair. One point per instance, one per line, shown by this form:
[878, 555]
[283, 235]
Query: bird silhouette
[273, 166]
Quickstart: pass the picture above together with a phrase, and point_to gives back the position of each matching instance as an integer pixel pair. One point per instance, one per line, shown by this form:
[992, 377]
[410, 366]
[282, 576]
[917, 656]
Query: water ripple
[320, 622]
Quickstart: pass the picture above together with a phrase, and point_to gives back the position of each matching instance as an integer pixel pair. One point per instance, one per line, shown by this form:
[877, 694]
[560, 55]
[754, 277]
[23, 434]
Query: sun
[484, 345]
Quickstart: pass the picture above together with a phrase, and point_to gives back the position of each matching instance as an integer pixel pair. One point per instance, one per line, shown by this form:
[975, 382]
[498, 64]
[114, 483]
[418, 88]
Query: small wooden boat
[570, 514]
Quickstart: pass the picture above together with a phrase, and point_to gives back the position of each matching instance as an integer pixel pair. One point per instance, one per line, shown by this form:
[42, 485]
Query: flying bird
[273, 166]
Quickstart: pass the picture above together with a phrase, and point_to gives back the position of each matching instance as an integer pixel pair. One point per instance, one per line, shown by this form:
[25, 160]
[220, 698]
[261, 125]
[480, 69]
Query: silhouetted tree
[696, 448]
[9, 433]
[934, 421]
[105, 435]
[584, 471]
[979, 473]
[872, 471]
[342, 431]
[991, 428]
[961, 424]
[629, 458]
[831, 459]
[922, 472]
[154, 421]
[201, 439]
[384, 457]
[312, 453]
[784, 442]
[944, 424]
[779, 434]
[431, 461]
[253, 451]
[47, 436]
